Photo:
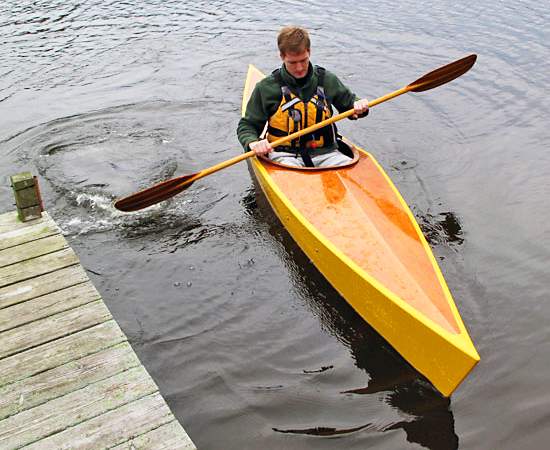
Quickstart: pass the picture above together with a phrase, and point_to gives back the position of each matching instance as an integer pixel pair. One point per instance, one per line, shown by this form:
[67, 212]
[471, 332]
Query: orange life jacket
[293, 114]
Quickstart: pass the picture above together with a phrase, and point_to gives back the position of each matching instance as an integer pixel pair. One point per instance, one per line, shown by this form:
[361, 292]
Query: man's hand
[262, 147]
[361, 108]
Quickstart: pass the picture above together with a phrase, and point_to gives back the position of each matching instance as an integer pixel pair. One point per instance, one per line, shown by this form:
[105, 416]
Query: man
[295, 97]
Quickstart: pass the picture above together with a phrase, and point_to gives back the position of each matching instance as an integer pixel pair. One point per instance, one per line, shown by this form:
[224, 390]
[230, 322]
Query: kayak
[358, 231]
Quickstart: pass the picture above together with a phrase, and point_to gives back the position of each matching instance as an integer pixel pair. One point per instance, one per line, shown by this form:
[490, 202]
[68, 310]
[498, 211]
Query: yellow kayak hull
[359, 232]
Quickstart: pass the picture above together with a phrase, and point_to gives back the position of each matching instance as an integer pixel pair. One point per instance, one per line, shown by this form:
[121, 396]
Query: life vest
[293, 114]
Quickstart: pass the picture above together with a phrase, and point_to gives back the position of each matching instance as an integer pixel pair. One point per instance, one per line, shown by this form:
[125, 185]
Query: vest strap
[306, 156]
[290, 104]
[294, 118]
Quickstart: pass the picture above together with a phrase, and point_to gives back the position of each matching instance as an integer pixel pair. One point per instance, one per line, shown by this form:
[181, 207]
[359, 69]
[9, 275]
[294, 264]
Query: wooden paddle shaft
[219, 166]
[337, 117]
[429, 81]
[293, 136]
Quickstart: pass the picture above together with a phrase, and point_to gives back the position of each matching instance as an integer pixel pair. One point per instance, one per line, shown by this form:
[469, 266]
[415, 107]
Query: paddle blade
[155, 194]
[443, 74]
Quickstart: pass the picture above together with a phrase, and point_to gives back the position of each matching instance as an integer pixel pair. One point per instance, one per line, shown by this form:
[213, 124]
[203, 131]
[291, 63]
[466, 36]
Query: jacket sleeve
[340, 95]
[252, 123]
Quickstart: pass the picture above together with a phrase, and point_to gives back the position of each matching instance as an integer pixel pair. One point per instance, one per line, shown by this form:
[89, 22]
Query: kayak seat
[344, 147]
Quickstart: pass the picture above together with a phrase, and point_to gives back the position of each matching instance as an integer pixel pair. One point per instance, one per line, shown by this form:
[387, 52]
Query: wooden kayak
[359, 232]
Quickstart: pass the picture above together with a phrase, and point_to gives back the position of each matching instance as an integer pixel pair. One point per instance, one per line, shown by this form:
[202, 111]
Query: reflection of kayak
[359, 232]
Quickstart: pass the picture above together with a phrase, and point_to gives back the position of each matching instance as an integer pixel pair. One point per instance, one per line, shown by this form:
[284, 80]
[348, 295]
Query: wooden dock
[68, 376]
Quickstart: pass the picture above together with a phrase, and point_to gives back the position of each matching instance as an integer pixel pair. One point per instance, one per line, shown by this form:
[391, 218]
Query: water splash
[88, 160]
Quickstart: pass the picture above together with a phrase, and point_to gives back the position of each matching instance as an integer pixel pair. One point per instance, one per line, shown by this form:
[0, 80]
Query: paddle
[166, 189]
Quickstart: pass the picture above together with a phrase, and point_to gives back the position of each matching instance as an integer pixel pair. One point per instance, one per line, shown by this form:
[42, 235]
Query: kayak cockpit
[346, 148]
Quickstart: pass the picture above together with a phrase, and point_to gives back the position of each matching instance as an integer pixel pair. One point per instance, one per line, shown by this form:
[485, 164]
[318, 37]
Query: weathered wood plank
[69, 377]
[47, 305]
[53, 327]
[9, 221]
[112, 428]
[53, 354]
[72, 409]
[27, 234]
[171, 436]
[37, 266]
[42, 285]
[33, 249]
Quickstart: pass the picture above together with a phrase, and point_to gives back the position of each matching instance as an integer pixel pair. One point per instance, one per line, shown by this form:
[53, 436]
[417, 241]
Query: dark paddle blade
[443, 74]
[155, 194]
[163, 191]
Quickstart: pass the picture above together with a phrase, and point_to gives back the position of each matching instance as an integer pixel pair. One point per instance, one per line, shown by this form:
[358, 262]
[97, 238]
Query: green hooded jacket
[267, 96]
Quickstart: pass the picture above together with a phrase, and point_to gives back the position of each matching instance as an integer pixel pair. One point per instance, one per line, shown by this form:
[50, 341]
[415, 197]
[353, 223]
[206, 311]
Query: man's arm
[343, 98]
[252, 123]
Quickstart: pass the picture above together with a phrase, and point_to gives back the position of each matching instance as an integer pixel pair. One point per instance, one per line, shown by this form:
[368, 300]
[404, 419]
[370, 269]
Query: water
[248, 343]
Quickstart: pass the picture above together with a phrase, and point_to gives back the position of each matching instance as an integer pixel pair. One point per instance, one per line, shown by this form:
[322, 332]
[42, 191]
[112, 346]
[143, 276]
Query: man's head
[294, 47]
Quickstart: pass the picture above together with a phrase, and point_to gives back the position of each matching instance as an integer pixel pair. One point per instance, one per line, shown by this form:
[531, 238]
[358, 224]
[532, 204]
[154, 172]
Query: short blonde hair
[293, 40]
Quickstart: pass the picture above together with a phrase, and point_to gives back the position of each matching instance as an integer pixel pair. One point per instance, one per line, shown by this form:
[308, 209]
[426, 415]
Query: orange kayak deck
[358, 212]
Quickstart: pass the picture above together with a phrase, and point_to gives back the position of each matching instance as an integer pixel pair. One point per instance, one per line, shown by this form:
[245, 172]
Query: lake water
[248, 343]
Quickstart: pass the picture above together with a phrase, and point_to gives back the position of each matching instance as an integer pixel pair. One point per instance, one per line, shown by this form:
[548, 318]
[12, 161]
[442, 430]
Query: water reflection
[441, 228]
[427, 417]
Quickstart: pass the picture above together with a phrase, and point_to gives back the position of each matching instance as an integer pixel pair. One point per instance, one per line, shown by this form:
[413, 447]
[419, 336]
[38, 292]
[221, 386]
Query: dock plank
[53, 327]
[52, 354]
[64, 379]
[29, 233]
[37, 266]
[171, 436]
[41, 285]
[115, 427]
[68, 375]
[72, 409]
[10, 221]
[32, 249]
[47, 305]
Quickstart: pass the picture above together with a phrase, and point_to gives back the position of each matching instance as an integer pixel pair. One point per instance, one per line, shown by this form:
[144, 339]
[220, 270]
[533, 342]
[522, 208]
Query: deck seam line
[98, 297]
[66, 246]
[66, 362]
[136, 363]
[45, 221]
[36, 238]
[144, 433]
[76, 263]
[410, 277]
[90, 418]
[123, 337]
[47, 293]
[58, 337]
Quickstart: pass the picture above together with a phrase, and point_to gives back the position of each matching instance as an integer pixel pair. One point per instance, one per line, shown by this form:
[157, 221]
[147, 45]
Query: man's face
[297, 64]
